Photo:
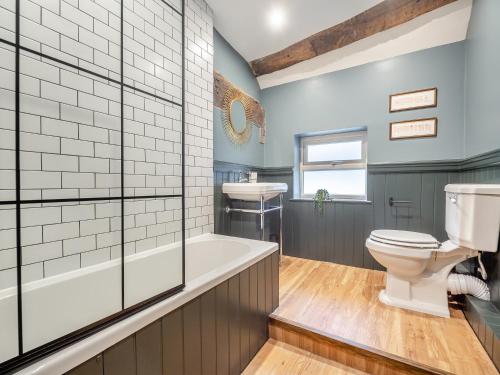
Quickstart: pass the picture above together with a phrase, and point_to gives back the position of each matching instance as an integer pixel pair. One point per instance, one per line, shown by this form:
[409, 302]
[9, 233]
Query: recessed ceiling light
[277, 18]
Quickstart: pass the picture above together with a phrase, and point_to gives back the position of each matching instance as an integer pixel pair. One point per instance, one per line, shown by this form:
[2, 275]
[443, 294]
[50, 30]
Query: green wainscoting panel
[218, 332]
[338, 235]
[484, 318]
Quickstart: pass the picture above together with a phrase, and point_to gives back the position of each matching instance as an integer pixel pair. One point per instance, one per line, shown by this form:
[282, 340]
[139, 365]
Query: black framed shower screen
[25, 357]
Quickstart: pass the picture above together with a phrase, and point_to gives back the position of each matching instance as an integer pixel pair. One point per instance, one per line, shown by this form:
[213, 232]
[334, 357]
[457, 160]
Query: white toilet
[418, 265]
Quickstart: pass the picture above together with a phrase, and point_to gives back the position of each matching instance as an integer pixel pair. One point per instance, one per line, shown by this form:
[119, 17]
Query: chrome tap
[243, 179]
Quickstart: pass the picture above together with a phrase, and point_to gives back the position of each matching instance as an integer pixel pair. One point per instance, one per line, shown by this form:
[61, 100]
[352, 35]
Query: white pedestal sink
[258, 192]
[254, 191]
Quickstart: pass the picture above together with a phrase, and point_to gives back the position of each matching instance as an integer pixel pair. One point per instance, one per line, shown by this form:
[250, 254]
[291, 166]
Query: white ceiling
[244, 24]
[442, 26]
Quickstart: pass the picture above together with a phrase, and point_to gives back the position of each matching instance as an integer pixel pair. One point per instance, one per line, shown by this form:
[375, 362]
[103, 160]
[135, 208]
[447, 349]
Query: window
[335, 162]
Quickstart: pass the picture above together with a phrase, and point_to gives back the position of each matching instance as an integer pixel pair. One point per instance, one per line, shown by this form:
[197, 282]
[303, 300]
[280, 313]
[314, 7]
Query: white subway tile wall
[84, 32]
[61, 237]
[8, 253]
[8, 20]
[8, 259]
[152, 35]
[7, 124]
[150, 223]
[70, 131]
[152, 146]
[199, 118]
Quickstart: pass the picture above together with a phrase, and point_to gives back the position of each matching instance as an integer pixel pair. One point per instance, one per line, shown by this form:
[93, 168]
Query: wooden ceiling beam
[381, 17]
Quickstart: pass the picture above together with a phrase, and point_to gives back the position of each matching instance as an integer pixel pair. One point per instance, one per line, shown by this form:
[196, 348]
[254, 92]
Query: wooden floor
[342, 303]
[278, 358]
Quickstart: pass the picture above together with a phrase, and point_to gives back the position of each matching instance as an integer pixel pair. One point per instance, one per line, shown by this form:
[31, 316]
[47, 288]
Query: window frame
[332, 165]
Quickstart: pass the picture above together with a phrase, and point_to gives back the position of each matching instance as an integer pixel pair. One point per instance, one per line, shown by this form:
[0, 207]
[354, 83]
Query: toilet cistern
[418, 265]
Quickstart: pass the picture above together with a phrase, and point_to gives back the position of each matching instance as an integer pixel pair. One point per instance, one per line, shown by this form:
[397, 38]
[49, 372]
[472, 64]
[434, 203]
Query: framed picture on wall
[406, 101]
[421, 128]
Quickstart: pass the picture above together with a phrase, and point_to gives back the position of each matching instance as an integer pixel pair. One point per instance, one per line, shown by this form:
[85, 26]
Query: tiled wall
[199, 118]
[70, 139]
[61, 237]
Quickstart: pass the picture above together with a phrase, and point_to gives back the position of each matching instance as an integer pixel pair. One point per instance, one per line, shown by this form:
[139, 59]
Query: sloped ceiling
[245, 25]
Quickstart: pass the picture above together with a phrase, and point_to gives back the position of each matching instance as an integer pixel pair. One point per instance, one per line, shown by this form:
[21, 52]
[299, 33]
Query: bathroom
[261, 187]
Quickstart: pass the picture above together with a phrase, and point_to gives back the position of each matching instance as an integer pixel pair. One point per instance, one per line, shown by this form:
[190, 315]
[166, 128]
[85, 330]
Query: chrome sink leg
[262, 218]
[281, 227]
[261, 211]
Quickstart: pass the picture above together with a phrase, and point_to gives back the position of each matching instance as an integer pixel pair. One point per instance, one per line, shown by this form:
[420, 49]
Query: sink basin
[253, 191]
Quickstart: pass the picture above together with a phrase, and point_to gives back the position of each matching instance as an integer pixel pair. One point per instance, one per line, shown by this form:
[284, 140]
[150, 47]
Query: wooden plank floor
[342, 302]
[349, 355]
[278, 358]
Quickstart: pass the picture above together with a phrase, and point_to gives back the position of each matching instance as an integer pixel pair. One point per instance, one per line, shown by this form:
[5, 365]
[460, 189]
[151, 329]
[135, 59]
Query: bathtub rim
[77, 353]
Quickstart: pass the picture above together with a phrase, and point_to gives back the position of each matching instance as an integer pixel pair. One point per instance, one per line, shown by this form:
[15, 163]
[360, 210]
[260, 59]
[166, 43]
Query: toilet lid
[405, 238]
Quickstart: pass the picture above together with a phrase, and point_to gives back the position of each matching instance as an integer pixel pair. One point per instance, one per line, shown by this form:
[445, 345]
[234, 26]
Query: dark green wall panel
[485, 322]
[208, 333]
[173, 343]
[120, 358]
[268, 262]
[234, 324]
[222, 328]
[93, 366]
[192, 337]
[254, 311]
[245, 317]
[275, 281]
[149, 349]
[338, 235]
[216, 333]
[261, 303]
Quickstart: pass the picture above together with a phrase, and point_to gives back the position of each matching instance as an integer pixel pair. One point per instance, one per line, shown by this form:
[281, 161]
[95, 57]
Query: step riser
[340, 352]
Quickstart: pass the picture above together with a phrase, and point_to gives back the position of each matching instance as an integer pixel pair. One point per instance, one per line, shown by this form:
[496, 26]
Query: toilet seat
[413, 240]
[406, 251]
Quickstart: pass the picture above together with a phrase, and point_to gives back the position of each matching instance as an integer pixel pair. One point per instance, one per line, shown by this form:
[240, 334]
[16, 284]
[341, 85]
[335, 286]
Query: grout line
[18, 202]
[89, 199]
[88, 71]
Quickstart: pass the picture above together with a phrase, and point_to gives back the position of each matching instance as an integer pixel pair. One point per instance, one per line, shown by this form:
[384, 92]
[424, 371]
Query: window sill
[353, 201]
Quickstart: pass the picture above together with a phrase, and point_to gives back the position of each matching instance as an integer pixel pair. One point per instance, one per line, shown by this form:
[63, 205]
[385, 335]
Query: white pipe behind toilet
[466, 284]
[418, 266]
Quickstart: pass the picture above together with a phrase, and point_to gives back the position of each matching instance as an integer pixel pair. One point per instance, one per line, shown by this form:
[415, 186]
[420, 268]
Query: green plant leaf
[320, 197]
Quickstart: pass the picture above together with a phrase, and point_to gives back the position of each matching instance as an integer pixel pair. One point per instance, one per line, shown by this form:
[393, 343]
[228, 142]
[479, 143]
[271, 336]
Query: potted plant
[320, 197]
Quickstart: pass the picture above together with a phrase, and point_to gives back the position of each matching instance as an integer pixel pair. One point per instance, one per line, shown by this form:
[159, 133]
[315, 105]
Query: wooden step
[278, 358]
[344, 352]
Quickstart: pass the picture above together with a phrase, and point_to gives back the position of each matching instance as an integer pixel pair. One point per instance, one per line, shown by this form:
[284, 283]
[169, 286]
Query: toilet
[418, 265]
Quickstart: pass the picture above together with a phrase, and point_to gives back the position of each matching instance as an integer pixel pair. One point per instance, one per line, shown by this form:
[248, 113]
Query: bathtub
[210, 260]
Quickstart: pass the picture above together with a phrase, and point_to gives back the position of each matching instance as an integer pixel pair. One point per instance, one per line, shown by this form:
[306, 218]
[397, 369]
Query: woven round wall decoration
[231, 96]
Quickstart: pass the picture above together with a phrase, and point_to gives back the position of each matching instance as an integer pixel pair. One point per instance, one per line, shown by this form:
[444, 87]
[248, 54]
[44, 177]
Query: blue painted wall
[482, 79]
[232, 66]
[467, 75]
[359, 97]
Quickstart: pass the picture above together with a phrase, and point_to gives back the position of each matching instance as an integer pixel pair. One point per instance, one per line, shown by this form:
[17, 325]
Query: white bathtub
[210, 259]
